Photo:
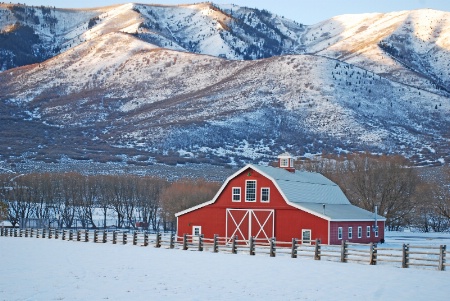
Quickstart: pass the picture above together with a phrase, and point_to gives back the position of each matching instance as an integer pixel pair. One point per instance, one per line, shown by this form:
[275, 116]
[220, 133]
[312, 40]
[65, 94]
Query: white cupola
[286, 161]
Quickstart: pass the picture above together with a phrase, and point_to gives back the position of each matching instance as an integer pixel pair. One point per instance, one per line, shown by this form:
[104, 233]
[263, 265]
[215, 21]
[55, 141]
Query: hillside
[140, 84]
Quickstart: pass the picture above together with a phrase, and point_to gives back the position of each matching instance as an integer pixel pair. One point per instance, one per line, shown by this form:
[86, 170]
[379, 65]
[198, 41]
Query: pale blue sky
[304, 11]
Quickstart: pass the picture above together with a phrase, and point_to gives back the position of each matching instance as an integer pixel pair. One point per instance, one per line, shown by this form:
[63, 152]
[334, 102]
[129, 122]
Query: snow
[49, 269]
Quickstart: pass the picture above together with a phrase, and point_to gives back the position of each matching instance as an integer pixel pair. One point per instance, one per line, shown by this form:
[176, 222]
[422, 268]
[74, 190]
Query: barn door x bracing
[244, 223]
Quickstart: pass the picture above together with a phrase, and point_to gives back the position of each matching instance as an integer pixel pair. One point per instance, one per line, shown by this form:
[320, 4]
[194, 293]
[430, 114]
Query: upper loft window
[250, 191]
[265, 193]
[236, 194]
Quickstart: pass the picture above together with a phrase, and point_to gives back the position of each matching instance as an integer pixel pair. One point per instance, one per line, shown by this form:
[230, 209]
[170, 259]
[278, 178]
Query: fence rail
[405, 255]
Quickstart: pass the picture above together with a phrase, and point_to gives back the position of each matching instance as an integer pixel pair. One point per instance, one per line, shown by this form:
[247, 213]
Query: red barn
[265, 202]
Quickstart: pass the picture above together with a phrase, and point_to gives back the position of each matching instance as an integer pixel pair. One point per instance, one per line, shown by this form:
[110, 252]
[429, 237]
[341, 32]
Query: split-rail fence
[405, 255]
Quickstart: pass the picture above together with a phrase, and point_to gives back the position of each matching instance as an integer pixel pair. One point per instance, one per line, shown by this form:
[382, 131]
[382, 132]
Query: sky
[303, 11]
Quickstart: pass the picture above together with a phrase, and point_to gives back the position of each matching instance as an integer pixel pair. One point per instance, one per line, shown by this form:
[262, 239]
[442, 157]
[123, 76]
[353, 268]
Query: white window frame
[339, 232]
[196, 236]
[368, 231]
[199, 230]
[376, 231]
[235, 194]
[350, 233]
[284, 162]
[246, 191]
[268, 194]
[310, 236]
[359, 232]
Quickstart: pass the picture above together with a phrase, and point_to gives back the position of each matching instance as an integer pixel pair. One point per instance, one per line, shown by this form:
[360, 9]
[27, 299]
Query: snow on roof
[307, 191]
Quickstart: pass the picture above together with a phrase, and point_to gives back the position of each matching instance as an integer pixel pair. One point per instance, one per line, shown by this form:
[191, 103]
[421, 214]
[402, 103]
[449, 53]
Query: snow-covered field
[49, 269]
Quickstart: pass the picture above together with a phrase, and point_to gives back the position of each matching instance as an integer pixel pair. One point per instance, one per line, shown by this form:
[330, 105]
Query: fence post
[216, 243]
[317, 250]
[442, 257]
[70, 234]
[20, 232]
[343, 251]
[272, 247]
[373, 253]
[185, 244]
[145, 239]
[172, 241]
[63, 234]
[124, 238]
[252, 245]
[56, 233]
[105, 237]
[44, 231]
[50, 233]
[78, 235]
[158, 240]
[200, 242]
[26, 232]
[233, 245]
[294, 248]
[95, 235]
[86, 235]
[405, 256]
[134, 238]
[114, 237]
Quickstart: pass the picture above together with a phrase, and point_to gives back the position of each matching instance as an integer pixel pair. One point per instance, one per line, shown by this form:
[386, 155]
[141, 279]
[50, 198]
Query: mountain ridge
[114, 96]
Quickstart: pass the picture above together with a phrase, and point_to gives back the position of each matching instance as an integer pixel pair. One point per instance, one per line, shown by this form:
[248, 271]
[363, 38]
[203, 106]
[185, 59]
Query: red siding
[289, 221]
[364, 239]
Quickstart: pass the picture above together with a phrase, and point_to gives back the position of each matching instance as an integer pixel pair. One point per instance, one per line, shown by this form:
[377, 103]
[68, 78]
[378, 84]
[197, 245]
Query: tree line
[91, 201]
[401, 193]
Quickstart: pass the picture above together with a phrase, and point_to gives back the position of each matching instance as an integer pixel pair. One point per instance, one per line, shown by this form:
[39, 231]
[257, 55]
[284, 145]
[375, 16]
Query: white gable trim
[295, 205]
[265, 175]
[217, 194]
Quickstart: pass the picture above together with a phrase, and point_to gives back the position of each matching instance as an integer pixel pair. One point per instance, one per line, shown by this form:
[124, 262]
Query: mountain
[203, 83]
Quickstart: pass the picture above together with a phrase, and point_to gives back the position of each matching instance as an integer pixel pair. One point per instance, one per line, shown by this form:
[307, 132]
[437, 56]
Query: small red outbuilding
[266, 202]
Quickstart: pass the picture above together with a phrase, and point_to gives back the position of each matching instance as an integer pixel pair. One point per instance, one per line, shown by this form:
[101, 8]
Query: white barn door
[259, 223]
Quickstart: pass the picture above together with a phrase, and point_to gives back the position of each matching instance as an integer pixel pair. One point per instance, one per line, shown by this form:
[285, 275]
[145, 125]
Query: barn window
[306, 237]
[376, 231]
[368, 231]
[284, 162]
[265, 192]
[350, 232]
[236, 194]
[340, 233]
[359, 232]
[250, 191]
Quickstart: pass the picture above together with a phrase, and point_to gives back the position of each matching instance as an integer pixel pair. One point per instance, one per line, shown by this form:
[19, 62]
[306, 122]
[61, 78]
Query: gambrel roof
[307, 191]
[305, 187]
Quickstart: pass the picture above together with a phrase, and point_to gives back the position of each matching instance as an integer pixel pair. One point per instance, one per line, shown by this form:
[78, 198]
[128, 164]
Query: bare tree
[184, 194]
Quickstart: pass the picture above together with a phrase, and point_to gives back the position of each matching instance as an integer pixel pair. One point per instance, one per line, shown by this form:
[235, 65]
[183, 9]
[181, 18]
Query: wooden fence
[405, 256]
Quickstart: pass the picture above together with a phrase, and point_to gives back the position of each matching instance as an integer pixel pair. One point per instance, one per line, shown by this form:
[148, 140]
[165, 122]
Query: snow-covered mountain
[220, 84]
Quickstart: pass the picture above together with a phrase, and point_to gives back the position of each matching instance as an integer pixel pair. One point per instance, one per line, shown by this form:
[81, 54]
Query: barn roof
[310, 191]
[305, 187]
[307, 191]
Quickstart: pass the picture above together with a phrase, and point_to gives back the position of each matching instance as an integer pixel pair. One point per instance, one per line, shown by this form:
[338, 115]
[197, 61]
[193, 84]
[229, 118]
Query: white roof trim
[279, 189]
[217, 194]
[359, 220]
